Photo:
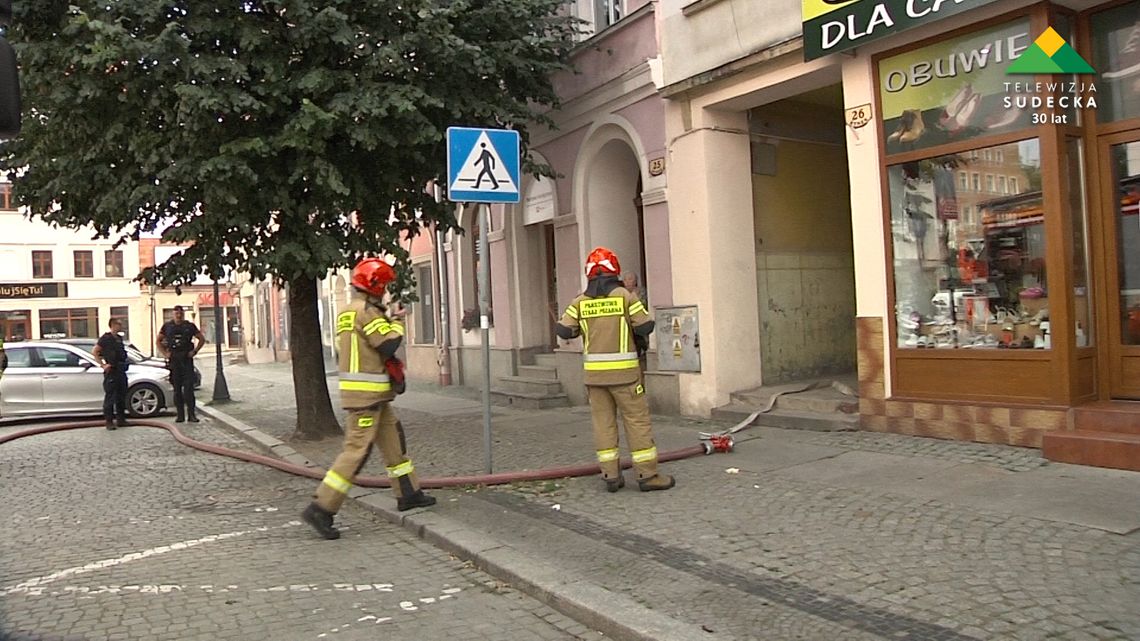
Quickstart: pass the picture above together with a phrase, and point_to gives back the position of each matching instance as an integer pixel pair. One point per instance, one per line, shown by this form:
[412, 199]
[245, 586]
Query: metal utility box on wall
[677, 331]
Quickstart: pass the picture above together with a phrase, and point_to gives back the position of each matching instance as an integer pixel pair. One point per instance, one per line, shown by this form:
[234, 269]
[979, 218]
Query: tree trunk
[315, 417]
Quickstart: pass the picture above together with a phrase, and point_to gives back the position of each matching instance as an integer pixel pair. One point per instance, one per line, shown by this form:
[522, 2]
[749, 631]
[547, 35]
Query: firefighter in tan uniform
[370, 377]
[608, 316]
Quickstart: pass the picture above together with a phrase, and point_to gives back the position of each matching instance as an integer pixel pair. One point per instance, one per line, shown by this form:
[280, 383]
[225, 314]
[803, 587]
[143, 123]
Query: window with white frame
[607, 13]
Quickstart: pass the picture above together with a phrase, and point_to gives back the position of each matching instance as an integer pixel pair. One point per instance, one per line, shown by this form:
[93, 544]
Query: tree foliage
[280, 137]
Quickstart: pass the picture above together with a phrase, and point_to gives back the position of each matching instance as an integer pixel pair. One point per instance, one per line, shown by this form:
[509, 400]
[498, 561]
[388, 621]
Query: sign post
[483, 167]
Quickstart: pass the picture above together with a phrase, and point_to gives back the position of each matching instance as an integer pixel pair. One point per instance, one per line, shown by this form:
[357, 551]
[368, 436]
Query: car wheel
[144, 400]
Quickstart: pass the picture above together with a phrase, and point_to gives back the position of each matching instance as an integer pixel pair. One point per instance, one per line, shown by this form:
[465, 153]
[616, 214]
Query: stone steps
[538, 372]
[1089, 447]
[529, 401]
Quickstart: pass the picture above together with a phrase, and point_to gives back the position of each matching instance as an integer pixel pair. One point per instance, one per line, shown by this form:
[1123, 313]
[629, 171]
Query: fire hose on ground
[711, 443]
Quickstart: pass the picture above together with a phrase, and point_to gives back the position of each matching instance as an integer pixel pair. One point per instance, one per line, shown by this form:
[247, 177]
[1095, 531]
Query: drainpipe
[444, 325]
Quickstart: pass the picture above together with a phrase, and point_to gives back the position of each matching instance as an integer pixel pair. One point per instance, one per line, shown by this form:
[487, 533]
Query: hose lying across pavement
[501, 478]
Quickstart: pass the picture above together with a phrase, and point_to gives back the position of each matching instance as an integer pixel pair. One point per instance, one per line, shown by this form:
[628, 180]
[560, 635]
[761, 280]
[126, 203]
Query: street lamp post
[221, 389]
[153, 319]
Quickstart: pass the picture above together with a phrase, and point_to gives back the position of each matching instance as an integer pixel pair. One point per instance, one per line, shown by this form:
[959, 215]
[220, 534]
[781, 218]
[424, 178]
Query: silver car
[45, 377]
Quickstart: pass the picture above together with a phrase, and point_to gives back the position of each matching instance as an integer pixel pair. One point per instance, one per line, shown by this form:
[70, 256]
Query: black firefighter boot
[110, 424]
[656, 482]
[411, 499]
[613, 485]
[321, 520]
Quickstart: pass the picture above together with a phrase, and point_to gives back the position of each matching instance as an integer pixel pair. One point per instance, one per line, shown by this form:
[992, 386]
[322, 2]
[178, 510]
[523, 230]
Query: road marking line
[35, 586]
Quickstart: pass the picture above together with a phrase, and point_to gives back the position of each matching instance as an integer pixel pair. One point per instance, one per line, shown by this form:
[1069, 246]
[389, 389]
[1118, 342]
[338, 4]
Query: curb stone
[613, 614]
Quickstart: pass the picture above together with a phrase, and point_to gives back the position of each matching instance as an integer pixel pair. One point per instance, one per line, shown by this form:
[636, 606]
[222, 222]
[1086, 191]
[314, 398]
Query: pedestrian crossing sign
[482, 165]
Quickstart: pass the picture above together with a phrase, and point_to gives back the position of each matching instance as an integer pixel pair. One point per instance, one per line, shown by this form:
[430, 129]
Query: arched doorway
[613, 205]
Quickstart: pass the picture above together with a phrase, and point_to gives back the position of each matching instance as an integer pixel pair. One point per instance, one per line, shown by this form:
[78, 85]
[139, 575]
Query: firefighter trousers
[605, 402]
[365, 427]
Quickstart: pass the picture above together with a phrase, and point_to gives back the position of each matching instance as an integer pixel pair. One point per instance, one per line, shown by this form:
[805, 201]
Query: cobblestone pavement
[128, 535]
[759, 553]
[1013, 459]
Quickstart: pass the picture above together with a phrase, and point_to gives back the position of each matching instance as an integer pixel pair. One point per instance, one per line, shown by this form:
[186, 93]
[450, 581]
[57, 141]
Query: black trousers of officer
[115, 394]
[182, 378]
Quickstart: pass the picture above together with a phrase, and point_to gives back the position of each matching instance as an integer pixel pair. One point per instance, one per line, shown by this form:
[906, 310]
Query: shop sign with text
[838, 25]
[33, 290]
[952, 90]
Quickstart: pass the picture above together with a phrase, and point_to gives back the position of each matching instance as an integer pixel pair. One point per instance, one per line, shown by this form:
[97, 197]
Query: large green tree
[279, 137]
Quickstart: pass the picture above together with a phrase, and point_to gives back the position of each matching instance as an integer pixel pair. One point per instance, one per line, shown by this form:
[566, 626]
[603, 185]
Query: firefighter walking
[609, 317]
[368, 336]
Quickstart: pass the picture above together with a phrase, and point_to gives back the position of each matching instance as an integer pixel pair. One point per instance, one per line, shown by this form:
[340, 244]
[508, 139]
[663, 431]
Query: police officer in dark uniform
[176, 341]
[111, 355]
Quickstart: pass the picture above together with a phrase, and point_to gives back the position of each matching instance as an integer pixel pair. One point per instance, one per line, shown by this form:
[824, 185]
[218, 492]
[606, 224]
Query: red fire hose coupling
[718, 443]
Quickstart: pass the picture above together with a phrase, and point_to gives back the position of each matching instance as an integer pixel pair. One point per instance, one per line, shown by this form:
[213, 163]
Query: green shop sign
[839, 25]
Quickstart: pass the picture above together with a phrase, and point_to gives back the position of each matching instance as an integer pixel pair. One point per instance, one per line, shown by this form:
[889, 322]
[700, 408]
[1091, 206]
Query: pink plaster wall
[562, 153]
[648, 118]
[501, 298]
[658, 263]
[422, 245]
[608, 56]
[569, 264]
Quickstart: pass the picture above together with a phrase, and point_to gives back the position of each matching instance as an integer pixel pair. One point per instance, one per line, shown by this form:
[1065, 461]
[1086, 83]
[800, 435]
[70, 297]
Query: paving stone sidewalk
[127, 535]
[797, 535]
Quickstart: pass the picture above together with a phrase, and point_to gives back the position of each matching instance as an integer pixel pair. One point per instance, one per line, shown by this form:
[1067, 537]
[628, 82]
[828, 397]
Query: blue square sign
[482, 165]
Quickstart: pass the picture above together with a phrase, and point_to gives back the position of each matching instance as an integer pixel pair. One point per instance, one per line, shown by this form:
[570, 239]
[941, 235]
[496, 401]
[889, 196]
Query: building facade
[58, 283]
[608, 153]
[913, 209]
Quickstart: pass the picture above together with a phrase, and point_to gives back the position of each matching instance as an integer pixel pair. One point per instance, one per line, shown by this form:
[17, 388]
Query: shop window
[84, 264]
[6, 197]
[42, 265]
[124, 316]
[113, 263]
[1116, 57]
[14, 325]
[980, 284]
[424, 310]
[69, 323]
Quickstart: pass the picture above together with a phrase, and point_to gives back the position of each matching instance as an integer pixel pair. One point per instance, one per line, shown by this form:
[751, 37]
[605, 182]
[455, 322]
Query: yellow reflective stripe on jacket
[354, 354]
[623, 345]
[611, 365]
[364, 377]
[603, 358]
[585, 336]
[605, 456]
[337, 482]
[384, 326]
[610, 362]
[572, 312]
[364, 386]
[636, 308]
[345, 322]
[403, 469]
[646, 455]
